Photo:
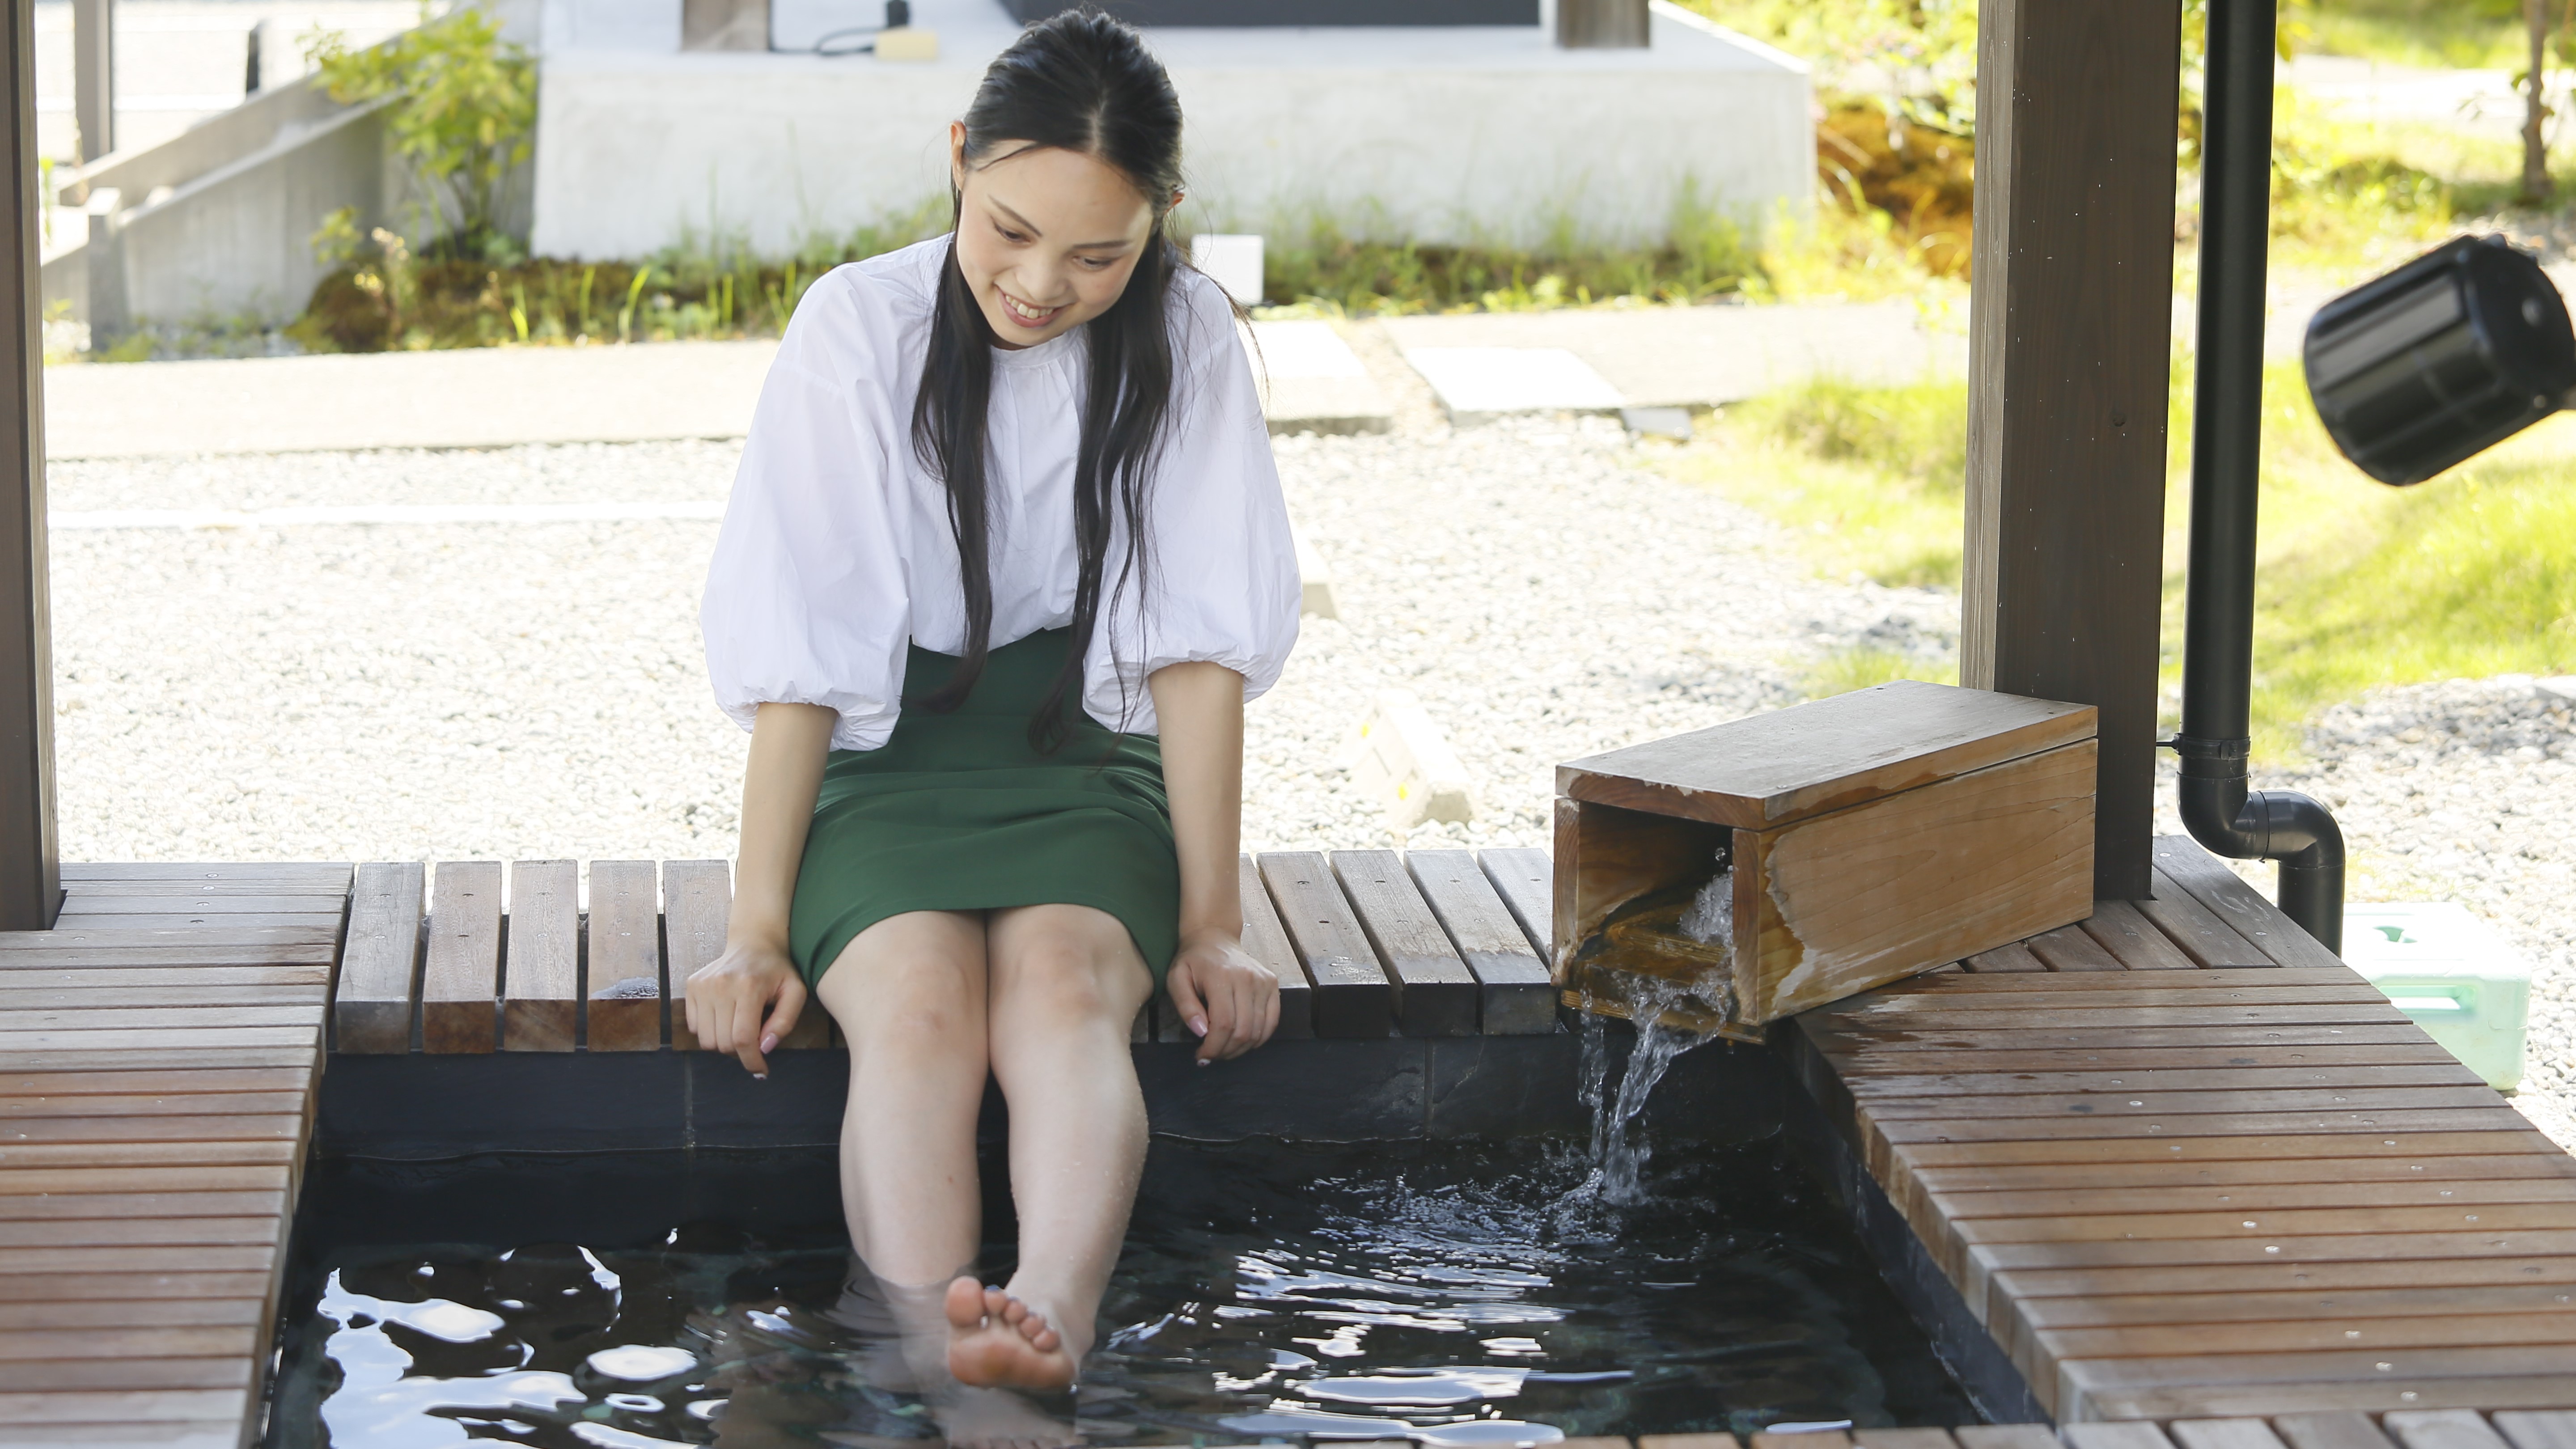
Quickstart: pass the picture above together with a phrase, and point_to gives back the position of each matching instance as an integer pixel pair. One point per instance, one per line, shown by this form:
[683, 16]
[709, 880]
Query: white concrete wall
[1454, 134]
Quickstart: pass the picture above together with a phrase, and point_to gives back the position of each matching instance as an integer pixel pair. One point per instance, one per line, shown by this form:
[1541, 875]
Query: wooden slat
[86, 1406]
[189, 1104]
[2138, 945]
[1353, 997]
[77, 998]
[1268, 943]
[2203, 938]
[2015, 958]
[31, 947]
[2069, 948]
[2176, 987]
[107, 1206]
[2312, 1333]
[120, 1019]
[460, 982]
[29, 1081]
[1526, 880]
[2222, 1433]
[2544, 1429]
[2004, 1436]
[2114, 1436]
[236, 1342]
[624, 1010]
[1804, 1439]
[150, 1287]
[19, 1180]
[1515, 995]
[314, 920]
[541, 971]
[2444, 1429]
[79, 905]
[2331, 1431]
[1435, 993]
[697, 897]
[127, 981]
[2255, 1078]
[312, 876]
[308, 947]
[2196, 872]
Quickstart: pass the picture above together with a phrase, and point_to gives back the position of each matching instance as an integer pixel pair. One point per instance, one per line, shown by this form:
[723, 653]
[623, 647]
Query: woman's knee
[1069, 962]
[909, 984]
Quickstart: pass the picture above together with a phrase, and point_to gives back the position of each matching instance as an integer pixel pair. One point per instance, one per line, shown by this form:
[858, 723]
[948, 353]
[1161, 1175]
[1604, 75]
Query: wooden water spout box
[1870, 836]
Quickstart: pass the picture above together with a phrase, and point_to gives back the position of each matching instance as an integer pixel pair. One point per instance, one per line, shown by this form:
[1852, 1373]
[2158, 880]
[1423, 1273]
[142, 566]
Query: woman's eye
[1097, 264]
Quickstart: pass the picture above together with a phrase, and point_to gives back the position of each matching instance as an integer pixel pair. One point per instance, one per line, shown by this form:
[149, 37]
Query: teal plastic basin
[2452, 974]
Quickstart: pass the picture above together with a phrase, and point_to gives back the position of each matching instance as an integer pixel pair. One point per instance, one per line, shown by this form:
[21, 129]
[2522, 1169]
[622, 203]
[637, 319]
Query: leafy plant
[463, 114]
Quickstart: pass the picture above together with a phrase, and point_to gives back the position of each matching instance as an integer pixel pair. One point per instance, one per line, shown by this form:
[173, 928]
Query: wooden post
[30, 874]
[94, 76]
[2070, 326]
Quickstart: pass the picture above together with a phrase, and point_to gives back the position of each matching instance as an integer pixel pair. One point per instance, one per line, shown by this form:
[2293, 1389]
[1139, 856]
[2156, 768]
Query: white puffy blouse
[836, 553]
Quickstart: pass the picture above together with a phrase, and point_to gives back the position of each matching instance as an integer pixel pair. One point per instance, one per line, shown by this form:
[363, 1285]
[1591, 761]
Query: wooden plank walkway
[158, 1055]
[2185, 1165]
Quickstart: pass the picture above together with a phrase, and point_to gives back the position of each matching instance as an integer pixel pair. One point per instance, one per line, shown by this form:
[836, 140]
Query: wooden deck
[2183, 1164]
[158, 1055]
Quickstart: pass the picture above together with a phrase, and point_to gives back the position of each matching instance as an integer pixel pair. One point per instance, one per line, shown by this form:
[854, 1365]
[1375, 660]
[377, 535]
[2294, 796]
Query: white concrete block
[1398, 754]
[1232, 260]
[1485, 382]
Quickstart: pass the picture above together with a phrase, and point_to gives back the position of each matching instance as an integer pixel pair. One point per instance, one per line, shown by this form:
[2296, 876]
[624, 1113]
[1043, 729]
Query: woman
[1006, 555]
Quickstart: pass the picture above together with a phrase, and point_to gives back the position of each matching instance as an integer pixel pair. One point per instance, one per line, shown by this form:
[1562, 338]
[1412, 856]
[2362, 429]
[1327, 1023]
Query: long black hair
[1079, 82]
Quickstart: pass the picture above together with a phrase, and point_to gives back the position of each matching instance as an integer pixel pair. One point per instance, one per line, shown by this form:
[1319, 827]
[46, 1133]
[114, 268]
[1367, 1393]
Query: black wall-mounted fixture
[2226, 464]
[2443, 358]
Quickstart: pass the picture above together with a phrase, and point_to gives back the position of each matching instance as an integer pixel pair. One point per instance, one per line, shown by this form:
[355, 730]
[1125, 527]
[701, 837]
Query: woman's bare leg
[909, 994]
[1065, 986]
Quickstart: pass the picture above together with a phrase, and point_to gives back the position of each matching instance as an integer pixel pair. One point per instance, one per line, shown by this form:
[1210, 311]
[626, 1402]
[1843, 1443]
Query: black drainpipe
[2226, 463]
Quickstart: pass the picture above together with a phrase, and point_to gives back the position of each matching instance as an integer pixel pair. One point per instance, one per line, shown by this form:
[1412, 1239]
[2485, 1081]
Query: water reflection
[1466, 1297]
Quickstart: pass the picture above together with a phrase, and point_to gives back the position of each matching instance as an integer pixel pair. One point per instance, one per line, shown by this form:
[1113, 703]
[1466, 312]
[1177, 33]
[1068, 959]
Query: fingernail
[1203, 1061]
[760, 1076]
[769, 1043]
[1199, 1024]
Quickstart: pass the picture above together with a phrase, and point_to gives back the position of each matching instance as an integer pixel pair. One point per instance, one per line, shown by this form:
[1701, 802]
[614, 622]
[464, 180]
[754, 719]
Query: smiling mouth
[1024, 314]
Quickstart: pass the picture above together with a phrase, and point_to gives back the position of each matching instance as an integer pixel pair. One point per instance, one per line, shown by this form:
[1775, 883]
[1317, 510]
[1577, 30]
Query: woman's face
[1046, 238]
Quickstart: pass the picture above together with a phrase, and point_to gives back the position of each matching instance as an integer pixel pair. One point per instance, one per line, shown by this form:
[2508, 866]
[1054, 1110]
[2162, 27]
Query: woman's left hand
[1229, 1000]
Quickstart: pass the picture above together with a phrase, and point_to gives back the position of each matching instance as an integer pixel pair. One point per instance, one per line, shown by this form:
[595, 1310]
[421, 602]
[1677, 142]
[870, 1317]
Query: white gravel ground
[482, 691]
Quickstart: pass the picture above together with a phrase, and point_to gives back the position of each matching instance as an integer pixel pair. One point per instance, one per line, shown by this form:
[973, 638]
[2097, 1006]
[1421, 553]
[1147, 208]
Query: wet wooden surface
[158, 1054]
[2200, 1194]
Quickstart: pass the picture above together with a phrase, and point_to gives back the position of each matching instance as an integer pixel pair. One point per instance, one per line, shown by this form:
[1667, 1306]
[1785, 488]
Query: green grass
[2470, 575]
[1868, 478]
[2429, 33]
[1845, 670]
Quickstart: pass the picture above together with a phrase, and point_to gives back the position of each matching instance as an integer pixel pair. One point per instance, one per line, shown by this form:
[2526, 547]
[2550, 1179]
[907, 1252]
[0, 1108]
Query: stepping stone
[1476, 384]
[1314, 383]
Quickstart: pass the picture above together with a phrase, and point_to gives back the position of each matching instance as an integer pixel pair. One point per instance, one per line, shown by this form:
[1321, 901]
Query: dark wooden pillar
[2070, 322]
[94, 76]
[30, 877]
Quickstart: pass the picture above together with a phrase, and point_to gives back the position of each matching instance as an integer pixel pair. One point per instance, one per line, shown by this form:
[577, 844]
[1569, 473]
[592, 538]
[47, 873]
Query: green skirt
[960, 812]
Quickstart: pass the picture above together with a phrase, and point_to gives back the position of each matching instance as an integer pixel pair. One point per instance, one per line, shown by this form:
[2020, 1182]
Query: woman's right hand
[745, 1002]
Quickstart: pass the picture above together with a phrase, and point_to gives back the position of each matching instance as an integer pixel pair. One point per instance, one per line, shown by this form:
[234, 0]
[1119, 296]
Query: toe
[1015, 1312]
[965, 1303]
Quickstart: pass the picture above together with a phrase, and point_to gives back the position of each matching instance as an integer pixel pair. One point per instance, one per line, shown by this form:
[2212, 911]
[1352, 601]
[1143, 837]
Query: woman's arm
[1230, 1000]
[728, 997]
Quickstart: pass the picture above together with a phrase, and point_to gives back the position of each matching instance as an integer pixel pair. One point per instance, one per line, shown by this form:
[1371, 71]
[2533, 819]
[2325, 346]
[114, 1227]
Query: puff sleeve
[808, 595]
[1224, 586]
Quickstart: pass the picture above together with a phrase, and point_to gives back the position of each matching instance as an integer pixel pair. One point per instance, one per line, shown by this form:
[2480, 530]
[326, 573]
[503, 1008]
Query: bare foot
[998, 1419]
[996, 1341]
